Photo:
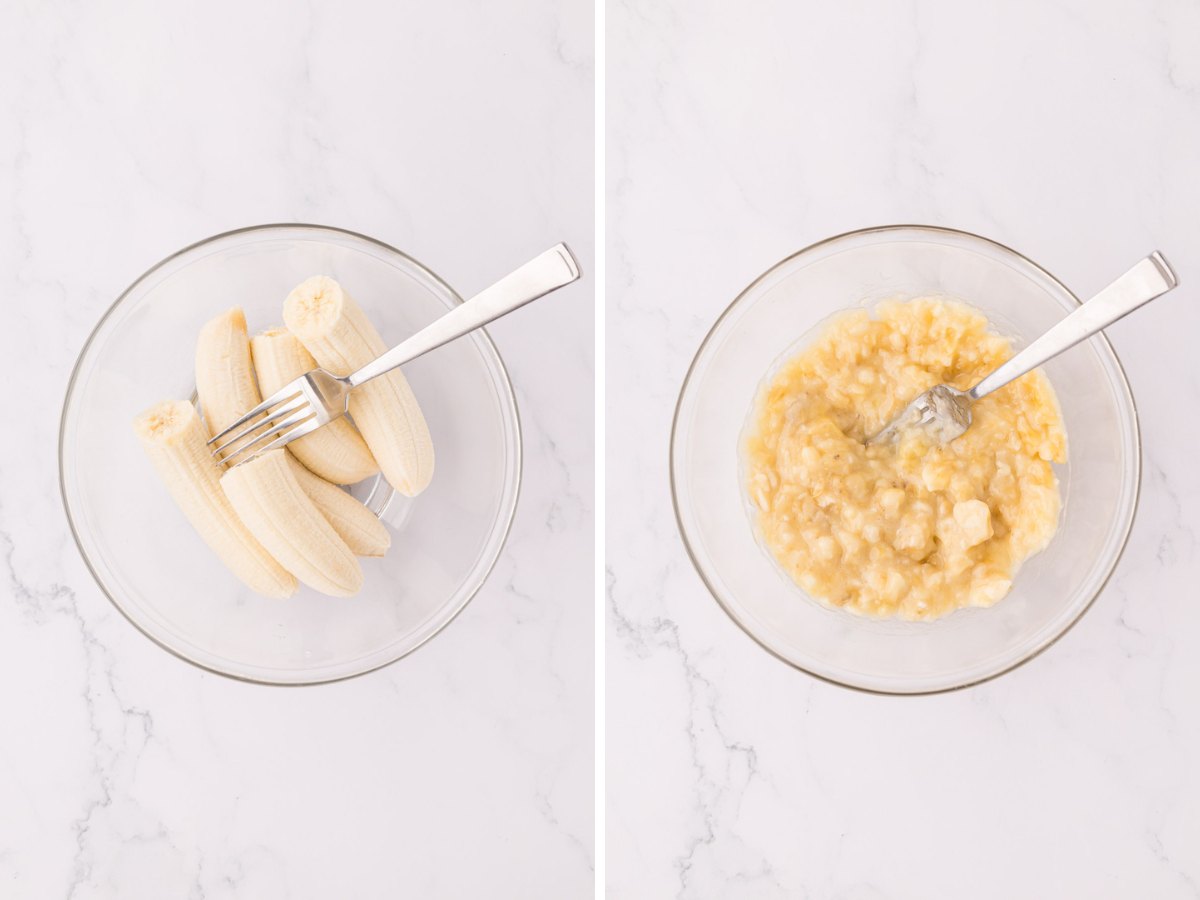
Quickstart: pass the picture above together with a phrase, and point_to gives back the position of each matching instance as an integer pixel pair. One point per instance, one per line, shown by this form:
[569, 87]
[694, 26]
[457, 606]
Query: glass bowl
[769, 322]
[152, 565]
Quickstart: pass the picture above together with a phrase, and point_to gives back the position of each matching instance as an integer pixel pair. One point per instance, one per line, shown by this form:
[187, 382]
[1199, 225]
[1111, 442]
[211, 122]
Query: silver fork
[946, 412]
[318, 397]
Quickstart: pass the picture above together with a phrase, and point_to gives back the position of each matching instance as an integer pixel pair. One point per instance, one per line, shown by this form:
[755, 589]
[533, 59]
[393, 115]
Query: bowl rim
[933, 230]
[506, 383]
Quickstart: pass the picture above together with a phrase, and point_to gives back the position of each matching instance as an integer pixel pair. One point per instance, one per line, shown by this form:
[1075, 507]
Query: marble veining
[739, 133]
[461, 133]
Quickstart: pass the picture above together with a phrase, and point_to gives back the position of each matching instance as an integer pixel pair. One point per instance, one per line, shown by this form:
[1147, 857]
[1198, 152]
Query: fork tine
[305, 427]
[303, 415]
[287, 392]
[292, 404]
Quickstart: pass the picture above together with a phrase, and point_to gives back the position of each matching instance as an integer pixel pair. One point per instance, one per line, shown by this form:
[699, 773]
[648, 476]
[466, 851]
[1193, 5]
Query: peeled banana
[360, 528]
[175, 439]
[224, 376]
[268, 498]
[335, 451]
[338, 334]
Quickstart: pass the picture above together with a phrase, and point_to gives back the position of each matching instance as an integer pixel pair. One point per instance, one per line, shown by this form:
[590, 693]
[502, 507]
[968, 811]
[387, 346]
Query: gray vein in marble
[567, 507]
[547, 811]
[719, 788]
[1155, 845]
[99, 691]
[1168, 554]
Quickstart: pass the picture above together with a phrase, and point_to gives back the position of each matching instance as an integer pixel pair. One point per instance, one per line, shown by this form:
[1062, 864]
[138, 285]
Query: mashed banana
[914, 529]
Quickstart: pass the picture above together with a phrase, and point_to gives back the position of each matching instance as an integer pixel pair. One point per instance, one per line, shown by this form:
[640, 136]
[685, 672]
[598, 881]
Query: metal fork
[318, 397]
[945, 412]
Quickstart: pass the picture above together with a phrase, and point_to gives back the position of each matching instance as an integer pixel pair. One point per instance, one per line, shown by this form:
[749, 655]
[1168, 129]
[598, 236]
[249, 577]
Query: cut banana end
[224, 375]
[267, 496]
[175, 440]
[335, 451]
[338, 334]
[360, 528]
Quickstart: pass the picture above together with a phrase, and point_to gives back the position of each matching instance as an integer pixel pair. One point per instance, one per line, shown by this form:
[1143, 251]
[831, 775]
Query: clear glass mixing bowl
[769, 322]
[152, 565]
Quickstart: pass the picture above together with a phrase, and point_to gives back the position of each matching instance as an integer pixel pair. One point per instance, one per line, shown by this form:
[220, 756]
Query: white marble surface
[739, 133]
[460, 132]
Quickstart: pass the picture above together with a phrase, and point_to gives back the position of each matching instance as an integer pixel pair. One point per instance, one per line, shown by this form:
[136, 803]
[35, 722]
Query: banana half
[360, 528]
[224, 376]
[175, 440]
[338, 334]
[268, 498]
[335, 451]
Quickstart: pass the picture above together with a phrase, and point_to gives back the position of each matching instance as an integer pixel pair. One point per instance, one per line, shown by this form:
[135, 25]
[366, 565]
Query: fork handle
[1150, 278]
[538, 277]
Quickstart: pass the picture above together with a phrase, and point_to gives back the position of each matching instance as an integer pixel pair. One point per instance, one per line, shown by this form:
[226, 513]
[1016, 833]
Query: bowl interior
[151, 563]
[777, 315]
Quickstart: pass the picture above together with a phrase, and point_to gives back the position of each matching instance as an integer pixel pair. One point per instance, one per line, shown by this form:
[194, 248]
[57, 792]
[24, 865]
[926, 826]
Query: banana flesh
[271, 520]
[360, 528]
[268, 498]
[175, 440]
[338, 334]
[224, 375]
[335, 451]
[225, 370]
